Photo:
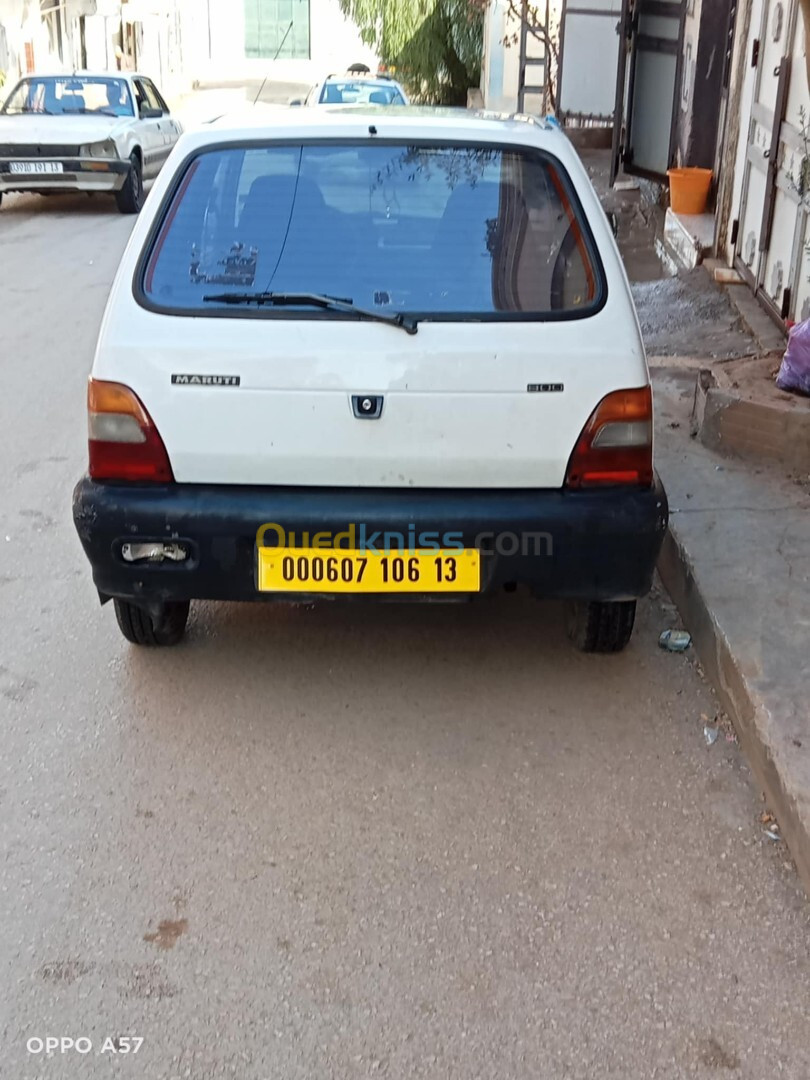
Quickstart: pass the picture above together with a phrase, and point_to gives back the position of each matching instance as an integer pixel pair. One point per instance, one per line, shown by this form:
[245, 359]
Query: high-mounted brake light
[615, 446]
[124, 443]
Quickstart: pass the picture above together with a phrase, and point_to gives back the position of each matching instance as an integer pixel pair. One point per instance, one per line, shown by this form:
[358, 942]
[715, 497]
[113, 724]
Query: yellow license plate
[336, 570]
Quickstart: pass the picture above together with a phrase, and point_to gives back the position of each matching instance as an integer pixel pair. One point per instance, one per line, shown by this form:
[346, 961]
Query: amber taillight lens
[124, 444]
[615, 446]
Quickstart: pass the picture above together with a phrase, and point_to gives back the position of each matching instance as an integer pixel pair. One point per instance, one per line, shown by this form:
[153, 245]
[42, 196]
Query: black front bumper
[594, 545]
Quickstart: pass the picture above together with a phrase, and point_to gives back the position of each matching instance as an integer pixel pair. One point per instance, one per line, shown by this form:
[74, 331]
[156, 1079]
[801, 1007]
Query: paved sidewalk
[737, 564]
[736, 560]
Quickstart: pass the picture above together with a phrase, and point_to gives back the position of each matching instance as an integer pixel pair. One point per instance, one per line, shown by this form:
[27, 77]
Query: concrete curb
[760, 719]
[753, 430]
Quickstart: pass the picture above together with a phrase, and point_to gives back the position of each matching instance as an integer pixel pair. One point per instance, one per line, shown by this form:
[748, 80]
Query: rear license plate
[333, 570]
[35, 168]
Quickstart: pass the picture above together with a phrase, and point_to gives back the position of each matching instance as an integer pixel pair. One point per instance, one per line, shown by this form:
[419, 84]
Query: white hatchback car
[355, 89]
[388, 354]
[85, 132]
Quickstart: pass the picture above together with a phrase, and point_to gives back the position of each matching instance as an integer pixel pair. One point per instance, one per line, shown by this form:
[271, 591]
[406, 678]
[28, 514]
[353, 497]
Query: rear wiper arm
[319, 300]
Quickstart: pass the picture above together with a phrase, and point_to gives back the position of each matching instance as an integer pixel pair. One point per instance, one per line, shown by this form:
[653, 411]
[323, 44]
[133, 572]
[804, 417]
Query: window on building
[52, 15]
[277, 28]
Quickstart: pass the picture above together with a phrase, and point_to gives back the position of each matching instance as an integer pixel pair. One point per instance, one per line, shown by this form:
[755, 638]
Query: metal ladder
[533, 63]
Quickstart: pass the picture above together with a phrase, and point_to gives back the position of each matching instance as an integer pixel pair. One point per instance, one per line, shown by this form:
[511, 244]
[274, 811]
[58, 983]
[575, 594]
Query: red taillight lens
[615, 446]
[124, 443]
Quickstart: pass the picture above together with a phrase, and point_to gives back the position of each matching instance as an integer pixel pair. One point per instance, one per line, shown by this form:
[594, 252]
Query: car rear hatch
[486, 249]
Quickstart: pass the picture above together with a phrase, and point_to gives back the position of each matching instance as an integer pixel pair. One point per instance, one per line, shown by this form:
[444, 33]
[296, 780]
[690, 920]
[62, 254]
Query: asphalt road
[351, 841]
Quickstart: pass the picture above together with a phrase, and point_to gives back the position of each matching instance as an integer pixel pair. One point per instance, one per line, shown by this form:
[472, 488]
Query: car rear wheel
[130, 197]
[141, 628]
[601, 626]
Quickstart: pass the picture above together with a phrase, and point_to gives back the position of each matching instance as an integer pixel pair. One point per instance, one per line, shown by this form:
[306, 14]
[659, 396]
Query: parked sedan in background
[85, 132]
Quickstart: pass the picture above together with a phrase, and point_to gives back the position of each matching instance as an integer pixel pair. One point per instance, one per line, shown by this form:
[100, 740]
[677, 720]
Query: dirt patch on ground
[690, 315]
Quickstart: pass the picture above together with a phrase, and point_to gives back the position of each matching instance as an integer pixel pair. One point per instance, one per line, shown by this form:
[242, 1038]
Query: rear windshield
[429, 230]
[360, 93]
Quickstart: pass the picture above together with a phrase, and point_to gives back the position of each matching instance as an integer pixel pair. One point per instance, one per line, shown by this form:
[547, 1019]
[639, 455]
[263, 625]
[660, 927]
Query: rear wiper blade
[320, 300]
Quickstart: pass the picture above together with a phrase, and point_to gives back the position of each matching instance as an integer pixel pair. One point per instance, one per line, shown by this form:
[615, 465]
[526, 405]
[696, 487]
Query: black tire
[130, 197]
[601, 626]
[1, 198]
[138, 626]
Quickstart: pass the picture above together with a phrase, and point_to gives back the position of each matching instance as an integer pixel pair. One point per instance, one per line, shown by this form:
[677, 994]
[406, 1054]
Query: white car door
[171, 128]
[158, 130]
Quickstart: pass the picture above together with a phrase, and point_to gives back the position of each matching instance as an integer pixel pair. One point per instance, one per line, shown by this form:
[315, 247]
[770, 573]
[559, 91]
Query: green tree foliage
[435, 45]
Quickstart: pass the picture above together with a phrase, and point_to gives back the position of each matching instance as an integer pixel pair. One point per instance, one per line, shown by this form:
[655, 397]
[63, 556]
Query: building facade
[63, 35]
[182, 42]
[763, 222]
[296, 41]
[714, 84]
[35, 34]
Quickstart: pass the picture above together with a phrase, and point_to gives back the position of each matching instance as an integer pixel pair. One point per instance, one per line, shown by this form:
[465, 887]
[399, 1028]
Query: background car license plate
[35, 167]
[336, 570]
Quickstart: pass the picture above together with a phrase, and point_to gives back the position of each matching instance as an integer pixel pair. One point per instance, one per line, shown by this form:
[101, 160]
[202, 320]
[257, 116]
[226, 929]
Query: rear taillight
[124, 443]
[615, 446]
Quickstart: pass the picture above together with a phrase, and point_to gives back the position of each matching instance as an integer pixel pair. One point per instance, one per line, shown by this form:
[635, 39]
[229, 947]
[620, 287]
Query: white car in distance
[85, 132]
[354, 89]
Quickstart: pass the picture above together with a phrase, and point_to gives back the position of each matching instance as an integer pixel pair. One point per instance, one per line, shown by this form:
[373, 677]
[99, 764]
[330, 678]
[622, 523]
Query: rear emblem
[206, 380]
[367, 406]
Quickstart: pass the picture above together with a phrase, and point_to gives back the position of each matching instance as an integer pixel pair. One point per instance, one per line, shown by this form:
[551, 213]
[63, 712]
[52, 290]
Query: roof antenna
[278, 50]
